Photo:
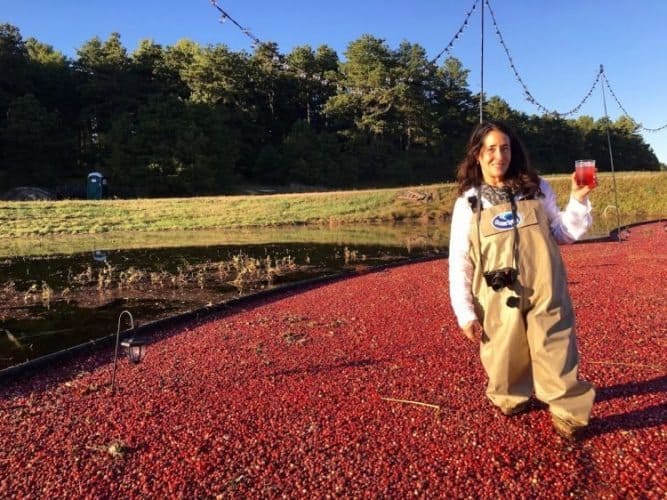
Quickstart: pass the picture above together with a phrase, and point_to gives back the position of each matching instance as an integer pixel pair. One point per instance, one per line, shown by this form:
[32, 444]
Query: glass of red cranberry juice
[585, 170]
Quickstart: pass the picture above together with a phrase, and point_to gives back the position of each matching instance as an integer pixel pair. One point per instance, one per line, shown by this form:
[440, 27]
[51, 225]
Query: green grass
[639, 195]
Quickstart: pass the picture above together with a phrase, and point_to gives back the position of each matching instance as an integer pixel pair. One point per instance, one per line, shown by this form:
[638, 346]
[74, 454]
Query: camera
[501, 278]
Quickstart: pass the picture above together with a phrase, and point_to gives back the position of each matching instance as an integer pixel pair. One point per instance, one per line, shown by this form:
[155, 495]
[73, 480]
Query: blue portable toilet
[96, 186]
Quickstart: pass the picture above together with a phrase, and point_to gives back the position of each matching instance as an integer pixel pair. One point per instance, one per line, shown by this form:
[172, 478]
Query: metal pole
[611, 157]
[481, 92]
[115, 356]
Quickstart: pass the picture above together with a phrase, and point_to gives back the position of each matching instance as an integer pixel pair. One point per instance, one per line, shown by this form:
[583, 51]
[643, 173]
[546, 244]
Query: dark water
[50, 303]
[53, 301]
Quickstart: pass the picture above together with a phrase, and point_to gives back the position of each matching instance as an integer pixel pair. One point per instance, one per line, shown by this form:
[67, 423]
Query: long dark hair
[520, 176]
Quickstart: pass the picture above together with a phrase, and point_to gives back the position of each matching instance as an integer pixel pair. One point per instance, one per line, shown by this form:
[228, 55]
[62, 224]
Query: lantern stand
[136, 349]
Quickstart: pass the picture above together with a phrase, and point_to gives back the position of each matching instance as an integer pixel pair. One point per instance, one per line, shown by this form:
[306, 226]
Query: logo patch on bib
[505, 221]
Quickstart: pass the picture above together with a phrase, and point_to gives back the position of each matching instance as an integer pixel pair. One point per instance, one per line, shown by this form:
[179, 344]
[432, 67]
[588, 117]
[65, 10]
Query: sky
[557, 47]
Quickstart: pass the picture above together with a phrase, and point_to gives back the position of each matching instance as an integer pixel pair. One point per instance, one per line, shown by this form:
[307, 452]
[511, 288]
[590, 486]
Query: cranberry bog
[359, 387]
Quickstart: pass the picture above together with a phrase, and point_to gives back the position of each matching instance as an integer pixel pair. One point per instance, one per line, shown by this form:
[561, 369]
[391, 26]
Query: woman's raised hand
[580, 191]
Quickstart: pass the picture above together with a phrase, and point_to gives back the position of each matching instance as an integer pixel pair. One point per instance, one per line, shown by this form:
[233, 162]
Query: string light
[457, 34]
[256, 42]
[320, 79]
[527, 93]
[618, 102]
[224, 16]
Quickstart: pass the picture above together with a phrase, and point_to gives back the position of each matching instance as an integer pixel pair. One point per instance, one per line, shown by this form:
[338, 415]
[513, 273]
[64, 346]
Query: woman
[507, 280]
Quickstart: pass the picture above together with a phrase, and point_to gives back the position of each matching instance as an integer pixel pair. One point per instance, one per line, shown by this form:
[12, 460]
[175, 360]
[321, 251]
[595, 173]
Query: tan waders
[529, 339]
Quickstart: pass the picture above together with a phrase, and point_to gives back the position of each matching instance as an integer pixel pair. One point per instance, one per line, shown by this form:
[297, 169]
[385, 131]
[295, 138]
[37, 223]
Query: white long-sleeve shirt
[566, 227]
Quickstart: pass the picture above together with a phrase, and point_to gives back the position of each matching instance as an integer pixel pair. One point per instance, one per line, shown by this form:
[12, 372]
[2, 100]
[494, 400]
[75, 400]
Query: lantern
[136, 349]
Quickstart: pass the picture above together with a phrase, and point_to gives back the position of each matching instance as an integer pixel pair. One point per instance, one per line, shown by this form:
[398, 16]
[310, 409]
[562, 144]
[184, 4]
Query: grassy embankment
[641, 196]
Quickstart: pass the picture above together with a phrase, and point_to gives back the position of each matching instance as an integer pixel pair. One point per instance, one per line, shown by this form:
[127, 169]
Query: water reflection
[54, 301]
[58, 292]
[99, 256]
[391, 235]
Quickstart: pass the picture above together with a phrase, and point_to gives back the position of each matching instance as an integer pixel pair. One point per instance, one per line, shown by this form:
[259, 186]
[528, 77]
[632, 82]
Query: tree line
[188, 119]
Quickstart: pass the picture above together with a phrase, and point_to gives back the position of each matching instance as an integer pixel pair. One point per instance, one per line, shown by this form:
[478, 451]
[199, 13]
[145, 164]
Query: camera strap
[515, 230]
[478, 208]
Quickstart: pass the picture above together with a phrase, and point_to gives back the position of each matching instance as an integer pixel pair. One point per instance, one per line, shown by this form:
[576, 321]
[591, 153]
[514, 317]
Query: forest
[188, 120]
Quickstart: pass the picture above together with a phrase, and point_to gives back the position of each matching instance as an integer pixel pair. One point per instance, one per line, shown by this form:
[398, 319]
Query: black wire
[618, 102]
[529, 96]
[457, 34]
[245, 31]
